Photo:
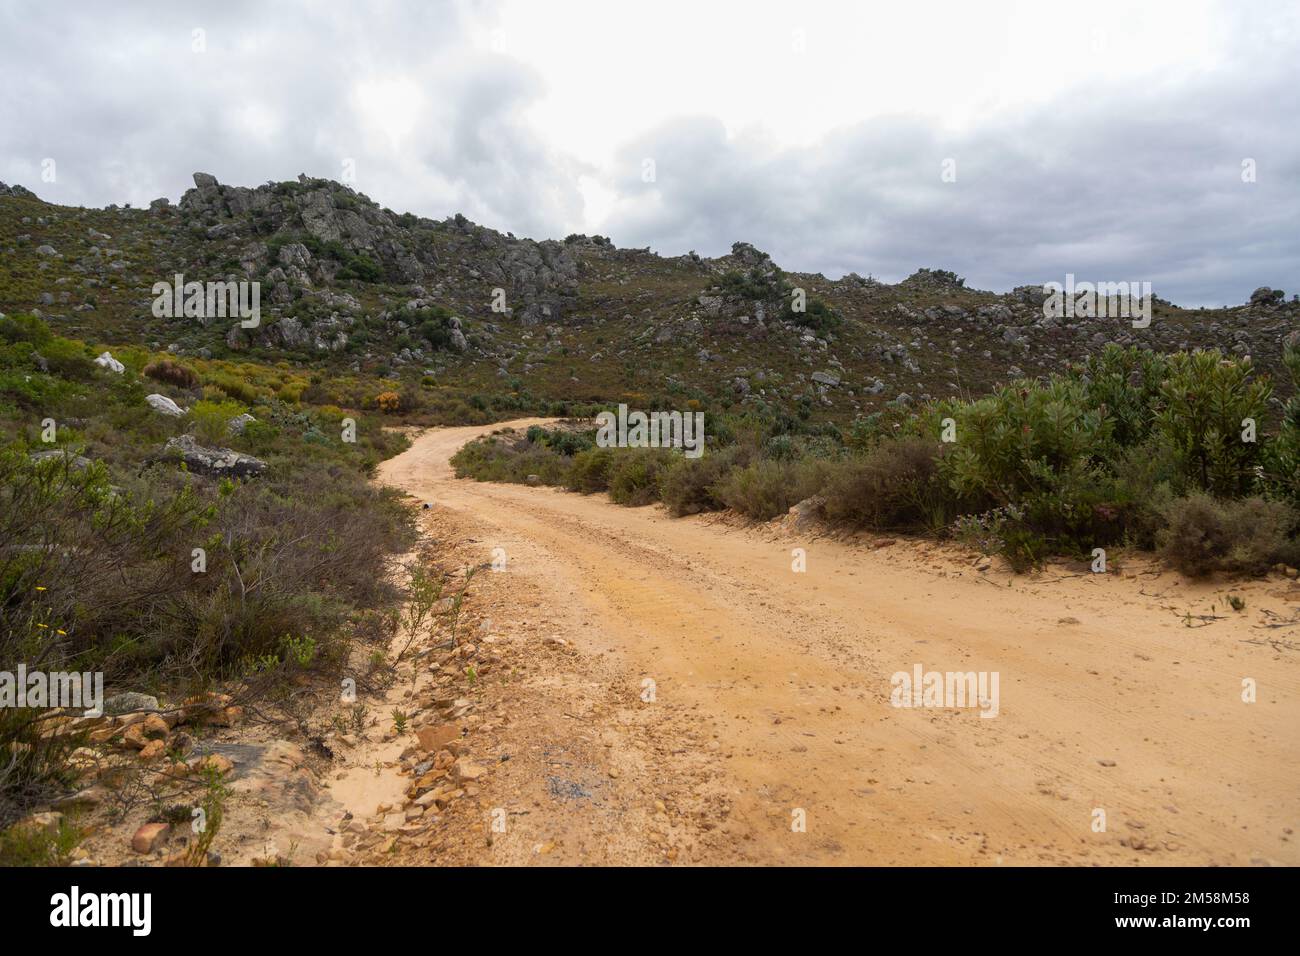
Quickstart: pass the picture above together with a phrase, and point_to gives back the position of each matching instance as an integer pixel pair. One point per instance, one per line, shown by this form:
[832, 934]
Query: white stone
[161, 403]
[113, 365]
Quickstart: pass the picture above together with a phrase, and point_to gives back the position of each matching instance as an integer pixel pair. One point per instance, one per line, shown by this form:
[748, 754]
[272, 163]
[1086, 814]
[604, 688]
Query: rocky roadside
[192, 784]
[499, 733]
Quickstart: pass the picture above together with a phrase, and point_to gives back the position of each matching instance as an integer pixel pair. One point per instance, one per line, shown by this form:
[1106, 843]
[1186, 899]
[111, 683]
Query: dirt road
[1112, 700]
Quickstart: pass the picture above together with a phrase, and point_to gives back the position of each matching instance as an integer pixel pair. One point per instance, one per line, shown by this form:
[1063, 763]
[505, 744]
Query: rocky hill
[351, 286]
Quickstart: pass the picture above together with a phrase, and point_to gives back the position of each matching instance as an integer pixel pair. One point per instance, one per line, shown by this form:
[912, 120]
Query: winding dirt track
[1108, 698]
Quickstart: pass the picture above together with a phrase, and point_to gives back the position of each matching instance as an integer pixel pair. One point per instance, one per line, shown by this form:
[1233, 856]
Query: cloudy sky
[1012, 142]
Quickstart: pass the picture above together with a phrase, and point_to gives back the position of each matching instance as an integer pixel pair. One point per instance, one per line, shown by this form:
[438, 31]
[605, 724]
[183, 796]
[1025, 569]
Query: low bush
[688, 486]
[895, 486]
[765, 489]
[172, 373]
[68, 359]
[210, 420]
[634, 475]
[510, 458]
[590, 470]
[1205, 534]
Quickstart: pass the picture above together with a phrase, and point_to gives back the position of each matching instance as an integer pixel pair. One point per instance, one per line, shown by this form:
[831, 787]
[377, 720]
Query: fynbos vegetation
[1174, 453]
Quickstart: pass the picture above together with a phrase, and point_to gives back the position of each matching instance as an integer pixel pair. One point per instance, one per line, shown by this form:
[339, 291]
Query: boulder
[805, 514]
[212, 763]
[291, 333]
[465, 771]
[138, 735]
[434, 738]
[148, 837]
[107, 361]
[295, 254]
[152, 751]
[128, 702]
[214, 462]
[1264, 296]
[164, 405]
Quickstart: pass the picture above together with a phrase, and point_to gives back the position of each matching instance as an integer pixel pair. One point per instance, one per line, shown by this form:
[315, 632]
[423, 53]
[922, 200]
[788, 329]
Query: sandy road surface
[1108, 699]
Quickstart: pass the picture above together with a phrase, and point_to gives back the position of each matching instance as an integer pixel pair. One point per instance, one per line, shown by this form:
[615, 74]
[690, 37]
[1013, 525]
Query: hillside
[360, 293]
[227, 524]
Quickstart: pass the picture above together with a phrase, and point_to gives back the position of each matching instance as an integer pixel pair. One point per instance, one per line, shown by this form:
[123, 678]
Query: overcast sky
[1106, 139]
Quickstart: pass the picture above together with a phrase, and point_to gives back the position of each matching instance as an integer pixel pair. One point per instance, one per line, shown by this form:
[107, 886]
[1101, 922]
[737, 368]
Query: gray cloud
[1130, 185]
[1109, 183]
[127, 108]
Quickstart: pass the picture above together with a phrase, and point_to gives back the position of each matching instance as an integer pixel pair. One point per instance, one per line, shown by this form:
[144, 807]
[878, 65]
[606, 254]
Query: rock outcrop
[214, 462]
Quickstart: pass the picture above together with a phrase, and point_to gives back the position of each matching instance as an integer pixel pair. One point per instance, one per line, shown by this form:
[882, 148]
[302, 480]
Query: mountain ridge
[346, 282]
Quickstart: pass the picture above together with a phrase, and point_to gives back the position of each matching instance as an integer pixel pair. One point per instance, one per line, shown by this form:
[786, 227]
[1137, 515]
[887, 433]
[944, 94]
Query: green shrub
[1022, 547]
[634, 475]
[25, 328]
[211, 420]
[590, 470]
[1125, 383]
[434, 325]
[1207, 399]
[361, 268]
[817, 315]
[563, 441]
[1023, 438]
[894, 487]
[1282, 456]
[237, 388]
[505, 458]
[985, 532]
[765, 489]
[68, 359]
[33, 392]
[484, 460]
[1205, 534]
[687, 486]
[31, 845]
[173, 373]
